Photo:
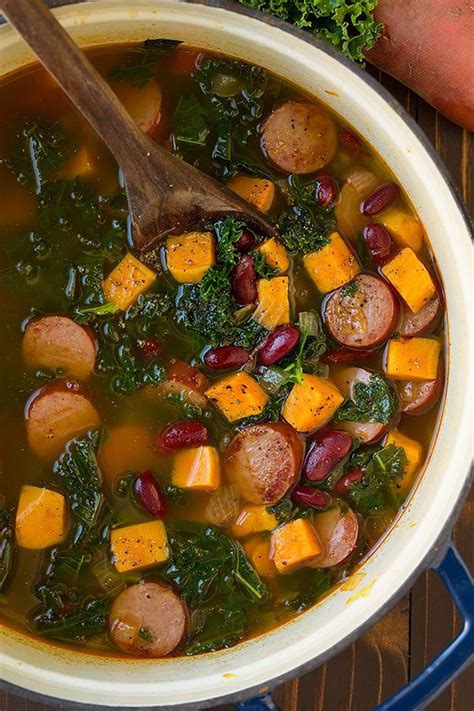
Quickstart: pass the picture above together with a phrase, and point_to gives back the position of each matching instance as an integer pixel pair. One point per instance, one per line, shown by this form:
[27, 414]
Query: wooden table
[423, 623]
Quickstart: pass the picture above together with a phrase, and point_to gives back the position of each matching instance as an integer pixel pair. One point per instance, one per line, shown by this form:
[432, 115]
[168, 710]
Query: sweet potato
[414, 455]
[404, 228]
[429, 47]
[294, 544]
[253, 519]
[41, 518]
[139, 546]
[332, 266]
[258, 550]
[238, 396]
[197, 468]
[275, 255]
[259, 192]
[311, 404]
[189, 256]
[273, 302]
[127, 281]
[412, 358]
[410, 278]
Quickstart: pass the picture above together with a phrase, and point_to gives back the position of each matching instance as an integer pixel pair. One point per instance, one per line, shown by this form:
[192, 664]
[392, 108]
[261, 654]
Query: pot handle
[445, 667]
[457, 656]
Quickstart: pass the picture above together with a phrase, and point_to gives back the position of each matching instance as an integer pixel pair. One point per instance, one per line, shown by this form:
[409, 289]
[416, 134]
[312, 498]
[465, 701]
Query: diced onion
[363, 181]
[223, 506]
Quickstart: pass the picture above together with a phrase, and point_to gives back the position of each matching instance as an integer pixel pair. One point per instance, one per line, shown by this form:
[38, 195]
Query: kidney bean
[346, 355]
[244, 281]
[151, 348]
[326, 191]
[378, 242]
[149, 494]
[226, 357]
[246, 241]
[278, 344]
[326, 451]
[380, 199]
[186, 433]
[309, 496]
[342, 486]
[351, 142]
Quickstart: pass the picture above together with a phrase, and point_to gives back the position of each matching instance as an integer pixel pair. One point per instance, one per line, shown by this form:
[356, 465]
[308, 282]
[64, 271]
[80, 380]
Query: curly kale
[375, 401]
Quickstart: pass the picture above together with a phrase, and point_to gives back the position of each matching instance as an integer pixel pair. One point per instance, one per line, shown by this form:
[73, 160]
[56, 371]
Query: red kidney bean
[380, 199]
[186, 433]
[244, 281]
[326, 191]
[346, 355]
[226, 357]
[351, 142]
[278, 344]
[149, 494]
[326, 451]
[309, 496]
[151, 348]
[246, 241]
[378, 241]
[342, 486]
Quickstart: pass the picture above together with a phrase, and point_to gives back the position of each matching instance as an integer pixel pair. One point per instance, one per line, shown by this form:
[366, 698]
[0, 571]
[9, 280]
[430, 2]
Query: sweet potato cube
[275, 255]
[139, 546]
[238, 396]
[404, 228]
[127, 281]
[197, 468]
[273, 302]
[41, 518]
[294, 544]
[412, 358]
[258, 551]
[331, 266]
[253, 519]
[190, 255]
[410, 278]
[414, 455]
[311, 404]
[259, 192]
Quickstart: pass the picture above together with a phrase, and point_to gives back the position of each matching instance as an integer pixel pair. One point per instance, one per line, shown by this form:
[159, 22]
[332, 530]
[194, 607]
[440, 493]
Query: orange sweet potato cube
[331, 266]
[138, 546]
[238, 396]
[311, 404]
[412, 358]
[190, 255]
[41, 518]
[294, 544]
[127, 281]
[197, 468]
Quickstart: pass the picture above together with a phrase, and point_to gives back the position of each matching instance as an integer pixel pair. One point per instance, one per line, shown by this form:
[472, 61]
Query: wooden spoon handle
[72, 70]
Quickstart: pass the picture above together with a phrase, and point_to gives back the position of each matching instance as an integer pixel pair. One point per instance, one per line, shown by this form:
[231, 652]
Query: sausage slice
[148, 620]
[423, 321]
[299, 137]
[57, 415]
[264, 461]
[362, 314]
[338, 531]
[417, 398]
[58, 342]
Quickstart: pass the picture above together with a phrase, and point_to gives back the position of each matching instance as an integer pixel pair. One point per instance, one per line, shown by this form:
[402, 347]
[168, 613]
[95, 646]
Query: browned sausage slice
[58, 342]
[148, 620]
[299, 137]
[263, 461]
[338, 531]
[346, 379]
[417, 398]
[55, 416]
[423, 321]
[362, 314]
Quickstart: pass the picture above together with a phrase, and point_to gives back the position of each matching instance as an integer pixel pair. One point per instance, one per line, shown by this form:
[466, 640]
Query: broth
[63, 218]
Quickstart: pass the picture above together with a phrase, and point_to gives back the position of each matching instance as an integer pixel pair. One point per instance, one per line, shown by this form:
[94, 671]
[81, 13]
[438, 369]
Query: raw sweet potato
[429, 47]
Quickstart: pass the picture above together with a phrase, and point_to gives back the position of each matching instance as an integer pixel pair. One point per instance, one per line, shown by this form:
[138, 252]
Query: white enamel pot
[420, 537]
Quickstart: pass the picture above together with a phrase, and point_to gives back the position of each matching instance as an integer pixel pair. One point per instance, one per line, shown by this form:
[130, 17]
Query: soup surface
[200, 440]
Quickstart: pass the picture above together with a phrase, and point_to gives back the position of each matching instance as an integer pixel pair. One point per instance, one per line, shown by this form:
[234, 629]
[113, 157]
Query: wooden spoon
[165, 194]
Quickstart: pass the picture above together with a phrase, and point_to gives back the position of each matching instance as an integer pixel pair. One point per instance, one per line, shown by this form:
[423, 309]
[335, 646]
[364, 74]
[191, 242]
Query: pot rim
[438, 546]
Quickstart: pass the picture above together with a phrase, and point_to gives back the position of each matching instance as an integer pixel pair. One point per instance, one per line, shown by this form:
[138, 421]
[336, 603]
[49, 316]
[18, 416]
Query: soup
[205, 437]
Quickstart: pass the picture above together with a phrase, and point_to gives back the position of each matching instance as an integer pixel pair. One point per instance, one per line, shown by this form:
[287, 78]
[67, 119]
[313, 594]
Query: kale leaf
[319, 582]
[40, 149]
[286, 510]
[349, 26]
[383, 465]
[64, 615]
[261, 266]
[375, 401]
[78, 472]
[190, 127]
[141, 69]
[304, 230]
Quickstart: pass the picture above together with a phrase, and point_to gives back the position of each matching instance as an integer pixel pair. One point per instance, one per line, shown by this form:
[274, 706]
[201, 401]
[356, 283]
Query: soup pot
[420, 536]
